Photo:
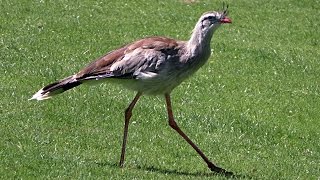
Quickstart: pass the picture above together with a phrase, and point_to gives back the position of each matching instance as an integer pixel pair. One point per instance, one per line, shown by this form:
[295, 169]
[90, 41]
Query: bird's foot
[219, 170]
[121, 163]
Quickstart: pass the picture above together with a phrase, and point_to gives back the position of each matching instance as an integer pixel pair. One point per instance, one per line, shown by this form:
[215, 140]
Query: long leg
[127, 116]
[175, 126]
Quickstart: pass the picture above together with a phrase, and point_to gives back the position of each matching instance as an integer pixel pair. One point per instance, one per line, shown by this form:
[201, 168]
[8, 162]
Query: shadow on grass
[175, 172]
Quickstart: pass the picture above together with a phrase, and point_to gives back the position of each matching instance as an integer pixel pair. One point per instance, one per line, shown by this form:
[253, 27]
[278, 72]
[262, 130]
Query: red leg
[127, 116]
[174, 125]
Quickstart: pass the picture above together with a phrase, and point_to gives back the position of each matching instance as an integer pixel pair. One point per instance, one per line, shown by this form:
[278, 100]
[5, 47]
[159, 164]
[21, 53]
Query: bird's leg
[127, 116]
[175, 126]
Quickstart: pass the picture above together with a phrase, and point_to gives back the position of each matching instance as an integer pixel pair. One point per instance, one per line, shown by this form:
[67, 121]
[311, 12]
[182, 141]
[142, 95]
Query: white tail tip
[39, 96]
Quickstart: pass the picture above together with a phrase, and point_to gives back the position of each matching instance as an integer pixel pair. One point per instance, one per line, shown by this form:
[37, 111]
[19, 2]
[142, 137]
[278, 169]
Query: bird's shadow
[173, 171]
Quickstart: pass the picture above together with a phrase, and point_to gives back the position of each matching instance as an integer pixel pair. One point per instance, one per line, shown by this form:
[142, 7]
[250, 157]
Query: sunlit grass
[253, 109]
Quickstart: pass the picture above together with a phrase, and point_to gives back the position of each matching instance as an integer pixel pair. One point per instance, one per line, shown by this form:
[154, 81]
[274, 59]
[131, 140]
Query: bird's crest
[225, 8]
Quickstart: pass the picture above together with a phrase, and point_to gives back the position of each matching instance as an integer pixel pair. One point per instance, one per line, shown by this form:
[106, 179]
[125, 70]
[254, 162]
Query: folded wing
[141, 59]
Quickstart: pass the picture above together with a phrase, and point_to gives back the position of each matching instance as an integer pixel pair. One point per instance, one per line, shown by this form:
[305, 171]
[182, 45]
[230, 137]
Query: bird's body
[163, 68]
[153, 65]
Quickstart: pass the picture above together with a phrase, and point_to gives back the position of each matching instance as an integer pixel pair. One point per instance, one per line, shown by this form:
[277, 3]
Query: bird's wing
[140, 58]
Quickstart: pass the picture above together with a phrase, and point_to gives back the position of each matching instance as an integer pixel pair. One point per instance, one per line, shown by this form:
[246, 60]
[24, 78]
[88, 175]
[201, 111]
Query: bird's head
[205, 27]
[211, 20]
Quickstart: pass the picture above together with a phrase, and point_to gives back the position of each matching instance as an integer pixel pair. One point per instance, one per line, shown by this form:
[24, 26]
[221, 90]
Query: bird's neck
[199, 41]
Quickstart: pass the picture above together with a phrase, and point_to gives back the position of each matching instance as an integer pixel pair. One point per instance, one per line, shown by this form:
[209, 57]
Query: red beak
[225, 20]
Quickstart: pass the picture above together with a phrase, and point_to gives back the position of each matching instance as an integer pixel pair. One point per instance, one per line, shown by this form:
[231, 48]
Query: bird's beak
[225, 20]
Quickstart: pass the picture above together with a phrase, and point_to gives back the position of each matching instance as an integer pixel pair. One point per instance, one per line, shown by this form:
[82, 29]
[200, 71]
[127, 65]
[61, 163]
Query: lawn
[253, 108]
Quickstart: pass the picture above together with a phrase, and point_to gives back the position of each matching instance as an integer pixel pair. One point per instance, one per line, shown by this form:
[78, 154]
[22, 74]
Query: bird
[150, 66]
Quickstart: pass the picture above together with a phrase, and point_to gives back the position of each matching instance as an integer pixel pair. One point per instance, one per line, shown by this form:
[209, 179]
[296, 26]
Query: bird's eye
[210, 18]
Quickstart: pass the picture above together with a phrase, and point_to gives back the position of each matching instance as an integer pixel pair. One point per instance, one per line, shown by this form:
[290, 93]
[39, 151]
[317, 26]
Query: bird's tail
[56, 88]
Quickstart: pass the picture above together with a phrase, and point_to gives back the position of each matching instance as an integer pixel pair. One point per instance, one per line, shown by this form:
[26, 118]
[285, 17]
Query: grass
[253, 109]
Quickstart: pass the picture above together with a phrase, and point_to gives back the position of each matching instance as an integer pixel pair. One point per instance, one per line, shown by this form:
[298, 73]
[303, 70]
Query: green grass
[253, 109]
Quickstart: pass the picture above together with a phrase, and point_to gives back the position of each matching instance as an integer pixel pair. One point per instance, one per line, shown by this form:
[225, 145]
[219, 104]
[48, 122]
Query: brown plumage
[153, 65]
